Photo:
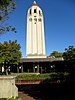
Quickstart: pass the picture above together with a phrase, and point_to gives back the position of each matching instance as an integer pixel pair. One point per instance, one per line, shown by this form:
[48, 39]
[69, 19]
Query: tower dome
[35, 43]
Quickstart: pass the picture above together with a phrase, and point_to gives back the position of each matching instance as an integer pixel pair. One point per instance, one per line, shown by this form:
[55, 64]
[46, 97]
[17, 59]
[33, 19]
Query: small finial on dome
[34, 2]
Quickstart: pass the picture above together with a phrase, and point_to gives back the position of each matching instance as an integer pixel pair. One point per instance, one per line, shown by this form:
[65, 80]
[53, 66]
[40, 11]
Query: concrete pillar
[41, 69]
[33, 67]
[22, 69]
[17, 69]
[38, 68]
[2, 69]
[28, 70]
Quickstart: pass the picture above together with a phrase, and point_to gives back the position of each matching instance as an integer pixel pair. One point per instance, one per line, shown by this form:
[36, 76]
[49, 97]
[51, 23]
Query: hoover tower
[35, 40]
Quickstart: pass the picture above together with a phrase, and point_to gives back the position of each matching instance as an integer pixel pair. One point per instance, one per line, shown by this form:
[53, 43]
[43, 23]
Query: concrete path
[24, 96]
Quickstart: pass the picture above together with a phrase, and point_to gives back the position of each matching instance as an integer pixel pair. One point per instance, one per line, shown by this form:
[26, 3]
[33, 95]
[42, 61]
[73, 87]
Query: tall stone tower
[35, 43]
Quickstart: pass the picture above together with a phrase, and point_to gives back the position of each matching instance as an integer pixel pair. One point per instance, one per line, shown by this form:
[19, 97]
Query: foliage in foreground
[12, 98]
[9, 54]
[6, 7]
[69, 54]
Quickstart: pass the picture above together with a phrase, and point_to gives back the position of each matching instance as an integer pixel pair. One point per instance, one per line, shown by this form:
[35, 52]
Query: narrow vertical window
[30, 11]
[30, 19]
[39, 13]
[39, 19]
[34, 10]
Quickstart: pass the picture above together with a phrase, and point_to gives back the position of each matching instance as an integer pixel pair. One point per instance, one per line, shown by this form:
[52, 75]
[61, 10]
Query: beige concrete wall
[7, 87]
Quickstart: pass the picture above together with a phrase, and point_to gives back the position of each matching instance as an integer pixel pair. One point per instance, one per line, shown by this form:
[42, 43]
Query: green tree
[69, 57]
[6, 7]
[69, 54]
[56, 54]
[9, 54]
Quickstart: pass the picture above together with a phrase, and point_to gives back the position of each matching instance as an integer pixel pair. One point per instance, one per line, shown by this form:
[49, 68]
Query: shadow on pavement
[48, 90]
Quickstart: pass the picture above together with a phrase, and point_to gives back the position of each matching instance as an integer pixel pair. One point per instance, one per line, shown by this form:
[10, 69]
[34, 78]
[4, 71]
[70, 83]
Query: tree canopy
[56, 54]
[69, 54]
[6, 7]
[9, 53]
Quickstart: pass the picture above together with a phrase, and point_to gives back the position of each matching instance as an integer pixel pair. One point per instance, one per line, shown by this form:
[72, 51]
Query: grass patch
[12, 98]
[34, 76]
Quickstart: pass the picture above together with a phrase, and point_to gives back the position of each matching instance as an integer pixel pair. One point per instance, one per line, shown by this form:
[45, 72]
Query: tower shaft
[35, 33]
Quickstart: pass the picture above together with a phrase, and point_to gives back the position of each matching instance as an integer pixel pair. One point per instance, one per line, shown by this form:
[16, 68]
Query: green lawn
[35, 76]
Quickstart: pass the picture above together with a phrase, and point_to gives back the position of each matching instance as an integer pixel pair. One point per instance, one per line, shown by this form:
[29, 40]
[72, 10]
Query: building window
[35, 19]
[30, 11]
[39, 19]
[39, 12]
[30, 19]
[34, 10]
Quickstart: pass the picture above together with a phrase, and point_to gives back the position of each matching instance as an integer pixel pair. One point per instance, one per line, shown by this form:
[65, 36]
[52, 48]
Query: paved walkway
[24, 96]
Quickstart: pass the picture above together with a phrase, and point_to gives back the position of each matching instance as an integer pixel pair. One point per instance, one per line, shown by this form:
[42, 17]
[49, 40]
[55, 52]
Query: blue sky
[59, 18]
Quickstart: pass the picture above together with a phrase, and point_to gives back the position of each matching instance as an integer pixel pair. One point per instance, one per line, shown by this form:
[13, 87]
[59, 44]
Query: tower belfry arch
[35, 41]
